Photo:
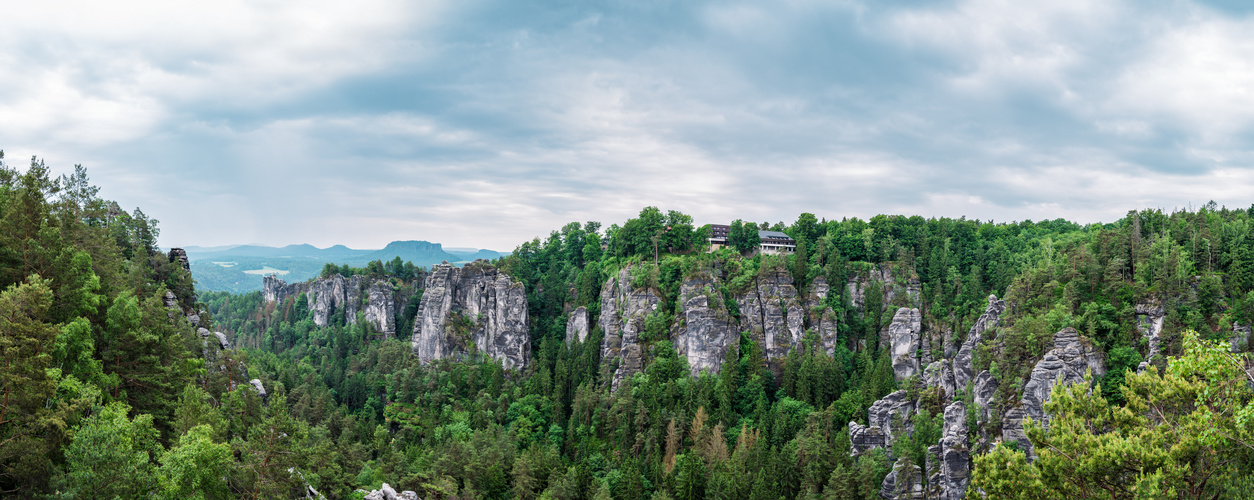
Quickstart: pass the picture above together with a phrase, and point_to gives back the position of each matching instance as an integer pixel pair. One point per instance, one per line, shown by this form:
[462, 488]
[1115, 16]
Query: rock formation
[905, 292]
[379, 310]
[180, 255]
[1067, 363]
[476, 307]
[386, 492]
[963, 370]
[275, 290]
[1149, 322]
[903, 342]
[955, 458]
[1240, 337]
[905, 482]
[772, 313]
[577, 325]
[623, 312]
[705, 328]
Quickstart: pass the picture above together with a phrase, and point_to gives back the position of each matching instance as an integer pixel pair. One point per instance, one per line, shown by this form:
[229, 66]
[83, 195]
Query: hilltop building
[773, 242]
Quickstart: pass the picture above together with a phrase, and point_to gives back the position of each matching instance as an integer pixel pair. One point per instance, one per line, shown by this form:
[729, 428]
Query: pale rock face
[325, 296]
[222, 340]
[963, 372]
[261, 389]
[705, 330]
[985, 389]
[938, 374]
[773, 314]
[1067, 363]
[380, 308]
[863, 439]
[275, 290]
[476, 304]
[903, 341]
[577, 325]
[905, 482]
[1149, 322]
[623, 311]
[955, 457]
[895, 406]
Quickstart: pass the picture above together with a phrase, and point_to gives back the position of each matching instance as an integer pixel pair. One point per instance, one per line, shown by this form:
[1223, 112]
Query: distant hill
[239, 268]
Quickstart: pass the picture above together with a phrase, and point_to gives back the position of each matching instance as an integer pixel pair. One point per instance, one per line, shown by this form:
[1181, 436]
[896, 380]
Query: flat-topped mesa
[473, 308]
[624, 308]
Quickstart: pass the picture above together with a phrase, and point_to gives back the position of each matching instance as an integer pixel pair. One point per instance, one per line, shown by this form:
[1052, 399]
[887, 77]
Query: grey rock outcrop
[773, 314]
[326, 296]
[705, 328]
[892, 415]
[179, 255]
[379, 310]
[955, 458]
[1239, 342]
[222, 342]
[863, 438]
[893, 291]
[474, 307]
[938, 374]
[577, 325]
[963, 370]
[1149, 322]
[623, 312]
[257, 386]
[1067, 363]
[905, 482]
[275, 290]
[387, 492]
[903, 342]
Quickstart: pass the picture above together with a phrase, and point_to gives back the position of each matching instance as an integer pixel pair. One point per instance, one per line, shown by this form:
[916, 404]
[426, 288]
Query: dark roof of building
[773, 234]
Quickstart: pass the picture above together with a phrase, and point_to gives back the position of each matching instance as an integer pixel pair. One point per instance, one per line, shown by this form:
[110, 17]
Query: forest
[108, 390]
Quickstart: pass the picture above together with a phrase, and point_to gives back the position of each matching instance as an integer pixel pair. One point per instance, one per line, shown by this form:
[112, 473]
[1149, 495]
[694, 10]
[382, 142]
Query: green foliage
[111, 456]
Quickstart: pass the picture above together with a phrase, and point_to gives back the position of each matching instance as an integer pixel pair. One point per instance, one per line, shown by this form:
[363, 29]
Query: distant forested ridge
[896, 357]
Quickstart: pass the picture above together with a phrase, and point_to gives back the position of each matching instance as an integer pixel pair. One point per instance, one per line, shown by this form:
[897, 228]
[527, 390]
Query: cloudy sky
[484, 124]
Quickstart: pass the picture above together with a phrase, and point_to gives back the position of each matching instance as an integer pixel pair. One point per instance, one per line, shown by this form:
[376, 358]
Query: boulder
[863, 439]
[474, 307]
[261, 389]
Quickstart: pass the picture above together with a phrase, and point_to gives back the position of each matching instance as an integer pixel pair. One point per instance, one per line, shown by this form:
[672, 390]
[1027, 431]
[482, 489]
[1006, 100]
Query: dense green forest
[107, 392]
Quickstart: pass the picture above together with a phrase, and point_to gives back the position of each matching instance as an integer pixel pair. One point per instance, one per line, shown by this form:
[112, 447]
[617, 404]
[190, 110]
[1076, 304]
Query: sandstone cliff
[474, 308]
[705, 329]
[623, 312]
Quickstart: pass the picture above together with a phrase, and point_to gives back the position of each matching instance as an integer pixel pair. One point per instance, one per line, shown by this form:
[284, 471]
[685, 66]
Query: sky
[488, 123]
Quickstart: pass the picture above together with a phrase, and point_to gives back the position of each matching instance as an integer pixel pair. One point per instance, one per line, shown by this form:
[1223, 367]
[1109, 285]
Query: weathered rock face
[863, 439]
[1240, 337]
[963, 371]
[955, 457]
[328, 295]
[903, 341]
[623, 311]
[1149, 322]
[180, 255]
[892, 415]
[893, 292]
[380, 309]
[577, 325]
[905, 482]
[1067, 363]
[705, 328]
[275, 290]
[773, 314]
[938, 374]
[476, 306]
